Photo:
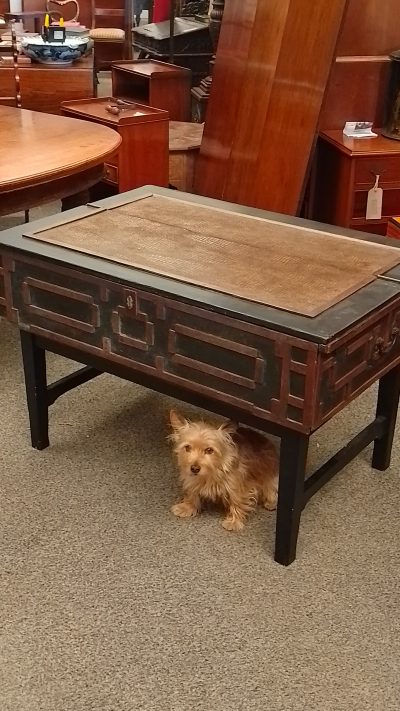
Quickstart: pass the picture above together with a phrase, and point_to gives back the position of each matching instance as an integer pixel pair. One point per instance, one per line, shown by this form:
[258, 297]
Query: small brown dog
[228, 464]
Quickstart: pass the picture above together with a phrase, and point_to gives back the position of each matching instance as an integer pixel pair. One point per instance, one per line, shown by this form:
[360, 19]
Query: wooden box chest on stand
[142, 158]
[154, 286]
[156, 84]
[346, 169]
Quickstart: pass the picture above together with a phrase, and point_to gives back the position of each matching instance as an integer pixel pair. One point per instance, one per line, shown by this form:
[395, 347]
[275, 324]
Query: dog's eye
[187, 448]
[209, 450]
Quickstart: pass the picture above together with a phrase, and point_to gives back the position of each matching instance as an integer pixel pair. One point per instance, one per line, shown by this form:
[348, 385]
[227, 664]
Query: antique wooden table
[44, 157]
[263, 318]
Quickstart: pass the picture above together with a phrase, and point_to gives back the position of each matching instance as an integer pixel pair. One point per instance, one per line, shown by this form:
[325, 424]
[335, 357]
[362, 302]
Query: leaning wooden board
[270, 75]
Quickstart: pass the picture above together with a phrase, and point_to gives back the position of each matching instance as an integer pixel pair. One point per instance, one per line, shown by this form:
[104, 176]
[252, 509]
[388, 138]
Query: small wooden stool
[393, 228]
[184, 145]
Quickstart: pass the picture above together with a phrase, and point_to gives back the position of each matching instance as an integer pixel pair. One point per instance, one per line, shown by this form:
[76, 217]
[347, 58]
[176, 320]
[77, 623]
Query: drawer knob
[382, 347]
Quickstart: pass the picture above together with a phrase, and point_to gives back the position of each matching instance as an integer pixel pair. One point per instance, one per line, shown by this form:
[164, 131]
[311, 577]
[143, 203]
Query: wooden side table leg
[388, 402]
[34, 360]
[292, 469]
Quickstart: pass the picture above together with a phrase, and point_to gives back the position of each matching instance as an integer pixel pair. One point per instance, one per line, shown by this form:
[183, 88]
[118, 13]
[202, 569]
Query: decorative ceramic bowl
[55, 52]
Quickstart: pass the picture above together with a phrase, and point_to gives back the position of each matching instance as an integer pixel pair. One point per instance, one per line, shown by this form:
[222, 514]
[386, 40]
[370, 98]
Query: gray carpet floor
[109, 603]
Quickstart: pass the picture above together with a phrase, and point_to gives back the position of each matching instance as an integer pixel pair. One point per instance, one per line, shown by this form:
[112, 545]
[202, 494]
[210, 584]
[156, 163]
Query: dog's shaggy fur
[227, 464]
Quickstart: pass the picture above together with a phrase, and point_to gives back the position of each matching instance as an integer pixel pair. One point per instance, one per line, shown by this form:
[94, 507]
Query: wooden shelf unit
[154, 83]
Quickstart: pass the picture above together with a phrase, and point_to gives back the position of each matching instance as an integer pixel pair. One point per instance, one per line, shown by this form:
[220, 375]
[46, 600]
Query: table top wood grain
[289, 267]
[362, 146]
[37, 147]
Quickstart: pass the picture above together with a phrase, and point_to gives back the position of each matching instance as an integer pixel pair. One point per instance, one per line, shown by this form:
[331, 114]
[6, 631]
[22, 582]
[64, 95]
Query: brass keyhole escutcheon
[129, 302]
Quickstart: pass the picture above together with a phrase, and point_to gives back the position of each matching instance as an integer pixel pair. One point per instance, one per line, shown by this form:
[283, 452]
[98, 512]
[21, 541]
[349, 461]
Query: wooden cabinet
[346, 170]
[156, 84]
[44, 87]
[142, 158]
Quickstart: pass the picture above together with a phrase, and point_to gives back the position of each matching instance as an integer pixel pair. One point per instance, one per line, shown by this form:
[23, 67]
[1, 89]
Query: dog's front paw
[184, 509]
[270, 503]
[232, 523]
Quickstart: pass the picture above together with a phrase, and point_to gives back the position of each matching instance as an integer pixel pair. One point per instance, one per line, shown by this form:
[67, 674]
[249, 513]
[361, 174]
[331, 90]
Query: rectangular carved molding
[268, 374]
[351, 368]
[40, 299]
[272, 376]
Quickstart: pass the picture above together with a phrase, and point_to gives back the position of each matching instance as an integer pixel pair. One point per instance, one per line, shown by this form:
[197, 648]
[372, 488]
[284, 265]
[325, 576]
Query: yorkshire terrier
[225, 464]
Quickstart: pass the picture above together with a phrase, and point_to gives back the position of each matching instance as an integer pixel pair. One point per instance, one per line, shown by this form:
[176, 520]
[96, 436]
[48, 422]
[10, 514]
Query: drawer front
[57, 304]
[268, 374]
[356, 364]
[111, 173]
[390, 203]
[388, 168]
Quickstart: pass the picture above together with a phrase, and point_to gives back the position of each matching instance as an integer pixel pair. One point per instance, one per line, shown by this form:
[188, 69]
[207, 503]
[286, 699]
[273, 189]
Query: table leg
[34, 360]
[292, 469]
[388, 402]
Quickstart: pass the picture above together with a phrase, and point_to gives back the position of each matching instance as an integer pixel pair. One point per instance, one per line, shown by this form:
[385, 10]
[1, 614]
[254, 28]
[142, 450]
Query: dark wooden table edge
[39, 193]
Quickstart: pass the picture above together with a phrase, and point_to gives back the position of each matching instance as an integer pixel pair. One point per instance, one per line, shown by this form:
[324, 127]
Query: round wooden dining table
[44, 157]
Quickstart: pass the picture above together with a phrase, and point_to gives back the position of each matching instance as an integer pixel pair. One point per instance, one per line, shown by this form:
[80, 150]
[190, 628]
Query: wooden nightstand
[344, 172]
[156, 84]
[144, 133]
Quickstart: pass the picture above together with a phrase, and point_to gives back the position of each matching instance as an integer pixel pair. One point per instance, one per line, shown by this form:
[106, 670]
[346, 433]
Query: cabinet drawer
[111, 173]
[390, 203]
[387, 167]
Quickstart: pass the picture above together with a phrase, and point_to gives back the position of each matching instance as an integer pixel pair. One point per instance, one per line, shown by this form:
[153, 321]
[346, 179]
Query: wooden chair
[68, 9]
[15, 99]
[111, 32]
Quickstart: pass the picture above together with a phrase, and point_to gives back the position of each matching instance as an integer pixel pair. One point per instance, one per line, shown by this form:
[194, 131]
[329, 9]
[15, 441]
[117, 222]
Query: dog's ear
[229, 427]
[176, 420]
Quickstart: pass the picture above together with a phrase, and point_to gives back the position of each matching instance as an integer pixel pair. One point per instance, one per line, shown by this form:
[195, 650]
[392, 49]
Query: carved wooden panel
[58, 303]
[266, 373]
[356, 364]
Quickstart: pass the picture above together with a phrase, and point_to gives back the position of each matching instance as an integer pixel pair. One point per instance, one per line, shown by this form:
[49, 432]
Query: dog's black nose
[195, 468]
